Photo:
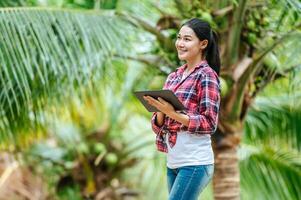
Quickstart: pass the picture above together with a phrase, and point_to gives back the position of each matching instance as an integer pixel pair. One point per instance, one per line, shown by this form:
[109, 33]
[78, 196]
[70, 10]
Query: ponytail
[212, 53]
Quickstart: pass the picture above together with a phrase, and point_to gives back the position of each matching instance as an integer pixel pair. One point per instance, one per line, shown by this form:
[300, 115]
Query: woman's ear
[203, 44]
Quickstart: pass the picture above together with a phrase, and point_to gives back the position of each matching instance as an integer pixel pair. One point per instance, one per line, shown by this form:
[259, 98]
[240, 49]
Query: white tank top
[190, 149]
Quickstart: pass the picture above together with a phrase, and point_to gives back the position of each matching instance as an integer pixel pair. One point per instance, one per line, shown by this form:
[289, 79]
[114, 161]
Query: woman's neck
[192, 63]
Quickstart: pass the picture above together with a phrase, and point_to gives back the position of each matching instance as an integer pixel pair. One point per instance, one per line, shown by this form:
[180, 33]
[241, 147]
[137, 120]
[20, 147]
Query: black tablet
[167, 95]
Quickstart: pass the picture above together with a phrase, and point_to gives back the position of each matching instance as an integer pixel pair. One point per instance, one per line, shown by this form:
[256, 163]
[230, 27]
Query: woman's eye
[186, 39]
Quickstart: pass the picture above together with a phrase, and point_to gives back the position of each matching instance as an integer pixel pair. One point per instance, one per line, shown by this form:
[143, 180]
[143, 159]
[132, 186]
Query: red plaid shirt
[200, 94]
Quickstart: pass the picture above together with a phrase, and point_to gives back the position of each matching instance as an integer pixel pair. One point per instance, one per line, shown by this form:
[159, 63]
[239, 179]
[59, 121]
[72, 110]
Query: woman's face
[188, 45]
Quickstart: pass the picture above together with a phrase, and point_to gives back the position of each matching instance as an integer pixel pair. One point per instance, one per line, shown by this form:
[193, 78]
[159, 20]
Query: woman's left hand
[160, 104]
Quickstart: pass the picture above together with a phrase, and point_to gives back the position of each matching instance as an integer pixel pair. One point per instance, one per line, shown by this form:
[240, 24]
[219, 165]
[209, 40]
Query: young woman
[186, 136]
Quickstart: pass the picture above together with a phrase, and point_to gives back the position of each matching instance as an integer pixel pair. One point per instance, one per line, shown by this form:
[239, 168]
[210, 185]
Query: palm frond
[48, 55]
[275, 121]
[294, 4]
[10, 3]
[267, 173]
[270, 154]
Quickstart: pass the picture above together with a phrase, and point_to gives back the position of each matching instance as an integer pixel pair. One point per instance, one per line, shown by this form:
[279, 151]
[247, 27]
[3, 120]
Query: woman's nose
[180, 43]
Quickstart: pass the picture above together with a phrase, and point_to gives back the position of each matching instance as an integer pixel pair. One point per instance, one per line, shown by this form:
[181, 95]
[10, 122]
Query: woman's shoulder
[207, 71]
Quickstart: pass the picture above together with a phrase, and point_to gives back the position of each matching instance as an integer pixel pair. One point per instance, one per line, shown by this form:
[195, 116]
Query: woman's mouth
[180, 51]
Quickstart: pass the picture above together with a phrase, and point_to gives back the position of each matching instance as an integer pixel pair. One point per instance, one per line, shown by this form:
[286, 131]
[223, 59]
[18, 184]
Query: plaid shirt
[200, 94]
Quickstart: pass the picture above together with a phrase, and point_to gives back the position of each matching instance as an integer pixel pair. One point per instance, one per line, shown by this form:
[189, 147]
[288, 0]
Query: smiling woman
[186, 136]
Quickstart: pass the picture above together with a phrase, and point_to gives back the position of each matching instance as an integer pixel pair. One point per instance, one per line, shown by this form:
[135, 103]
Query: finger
[161, 100]
[145, 98]
[155, 102]
[150, 100]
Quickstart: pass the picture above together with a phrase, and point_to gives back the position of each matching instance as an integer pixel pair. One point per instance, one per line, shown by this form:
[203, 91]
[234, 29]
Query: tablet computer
[167, 95]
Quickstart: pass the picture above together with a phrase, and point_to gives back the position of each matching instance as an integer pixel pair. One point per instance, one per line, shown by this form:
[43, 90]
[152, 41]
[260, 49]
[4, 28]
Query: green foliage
[277, 171]
[111, 4]
[157, 83]
[72, 192]
[271, 61]
[75, 4]
[87, 153]
[151, 165]
[285, 118]
[224, 87]
[270, 155]
[58, 53]
[12, 3]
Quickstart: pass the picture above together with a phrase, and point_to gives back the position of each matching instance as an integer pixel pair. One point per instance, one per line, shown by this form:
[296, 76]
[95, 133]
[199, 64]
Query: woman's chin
[181, 57]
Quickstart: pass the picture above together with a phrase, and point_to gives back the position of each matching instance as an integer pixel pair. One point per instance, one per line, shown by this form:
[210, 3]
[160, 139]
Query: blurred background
[70, 127]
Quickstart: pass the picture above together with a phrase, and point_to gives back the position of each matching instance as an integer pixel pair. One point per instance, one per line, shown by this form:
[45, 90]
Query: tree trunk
[226, 175]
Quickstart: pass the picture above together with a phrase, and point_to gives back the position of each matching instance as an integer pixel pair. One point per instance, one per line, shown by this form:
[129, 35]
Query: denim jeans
[186, 183]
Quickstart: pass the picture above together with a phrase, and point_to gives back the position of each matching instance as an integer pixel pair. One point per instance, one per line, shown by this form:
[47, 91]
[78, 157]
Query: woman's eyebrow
[185, 35]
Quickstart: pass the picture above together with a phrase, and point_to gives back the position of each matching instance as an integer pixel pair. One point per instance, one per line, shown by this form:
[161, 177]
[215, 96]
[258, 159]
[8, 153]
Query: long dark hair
[203, 31]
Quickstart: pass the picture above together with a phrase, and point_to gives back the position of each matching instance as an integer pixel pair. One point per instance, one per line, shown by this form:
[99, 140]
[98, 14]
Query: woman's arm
[180, 117]
[205, 121]
[160, 118]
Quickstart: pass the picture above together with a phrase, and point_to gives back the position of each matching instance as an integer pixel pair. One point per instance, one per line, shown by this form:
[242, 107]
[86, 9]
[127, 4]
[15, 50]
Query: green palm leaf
[268, 173]
[270, 155]
[275, 121]
[48, 55]
[7, 3]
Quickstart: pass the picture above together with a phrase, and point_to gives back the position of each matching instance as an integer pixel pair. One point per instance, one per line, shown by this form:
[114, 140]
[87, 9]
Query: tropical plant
[56, 54]
[53, 61]
[86, 152]
[270, 155]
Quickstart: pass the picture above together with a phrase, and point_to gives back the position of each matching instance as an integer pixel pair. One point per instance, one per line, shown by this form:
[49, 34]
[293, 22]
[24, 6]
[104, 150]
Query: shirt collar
[181, 69]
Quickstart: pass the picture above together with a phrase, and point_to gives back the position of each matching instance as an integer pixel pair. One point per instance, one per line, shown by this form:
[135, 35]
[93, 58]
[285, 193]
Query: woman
[186, 136]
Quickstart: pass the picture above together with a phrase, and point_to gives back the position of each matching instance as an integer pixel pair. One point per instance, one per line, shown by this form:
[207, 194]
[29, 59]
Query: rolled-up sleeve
[205, 119]
[157, 129]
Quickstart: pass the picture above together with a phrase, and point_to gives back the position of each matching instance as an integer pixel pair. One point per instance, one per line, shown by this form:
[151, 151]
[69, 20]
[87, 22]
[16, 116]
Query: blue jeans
[186, 183]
